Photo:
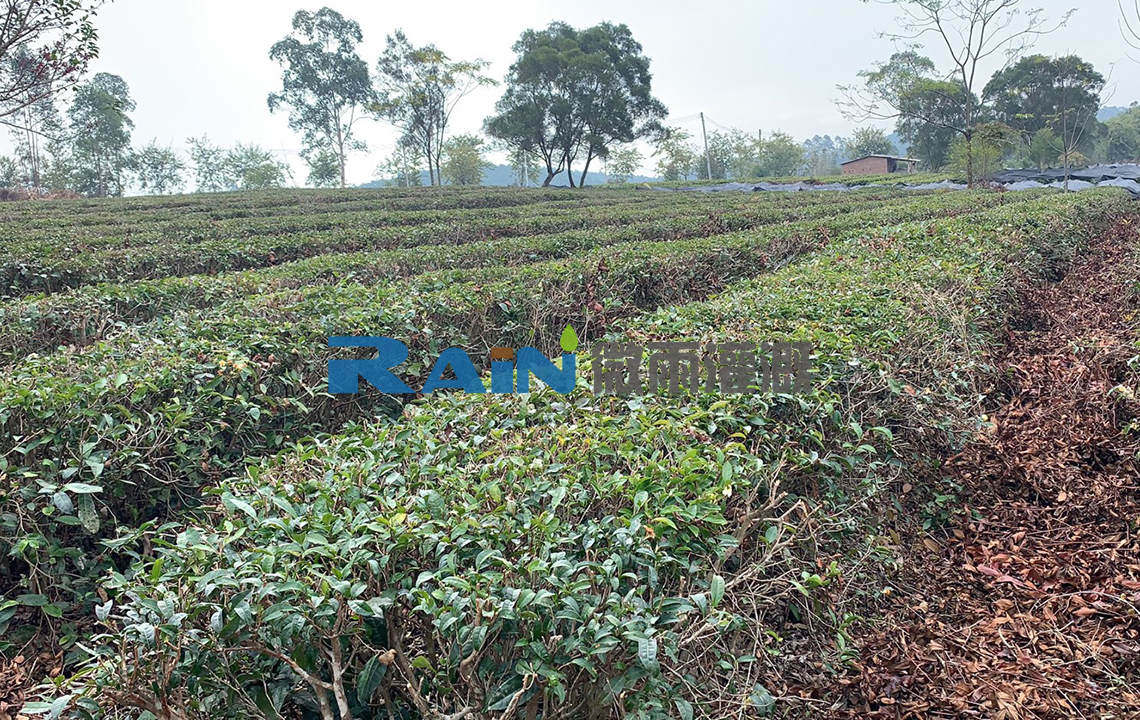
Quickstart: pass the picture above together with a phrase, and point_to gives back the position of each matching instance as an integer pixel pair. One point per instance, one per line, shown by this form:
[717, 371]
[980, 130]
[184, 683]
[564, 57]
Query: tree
[1061, 94]
[1041, 150]
[823, 155]
[463, 162]
[621, 163]
[101, 132]
[732, 154]
[45, 47]
[676, 155]
[722, 156]
[571, 94]
[324, 168]
[870, 141]
[249, 167]
[401, 167]
[418, 89]
[780, 156]
[33, 127]
[158, 170]
[929, 108]
[982, 155]
[1122, 137]
[737, 154]
[209, 162]
[972, 32]
[524, 166]
[940, 102]
[325, 82]
[9, 172]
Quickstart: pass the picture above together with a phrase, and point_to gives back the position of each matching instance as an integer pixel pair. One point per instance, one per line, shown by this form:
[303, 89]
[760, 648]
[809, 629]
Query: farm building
[879, 165]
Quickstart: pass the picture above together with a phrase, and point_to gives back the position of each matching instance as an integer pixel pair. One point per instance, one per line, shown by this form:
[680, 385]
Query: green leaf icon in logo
[569, 340]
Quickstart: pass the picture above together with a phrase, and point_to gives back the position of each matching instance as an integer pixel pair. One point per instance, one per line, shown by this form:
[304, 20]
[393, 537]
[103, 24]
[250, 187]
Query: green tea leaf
[716, 590]
[647, 653]
[62, 502]
[370, 678]
[684, 708]
[233, 503]
[87, 514]
[82, 488]
[761, 699]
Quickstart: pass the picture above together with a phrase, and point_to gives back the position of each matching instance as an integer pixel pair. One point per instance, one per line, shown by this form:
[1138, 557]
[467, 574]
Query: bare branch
[1130, 34]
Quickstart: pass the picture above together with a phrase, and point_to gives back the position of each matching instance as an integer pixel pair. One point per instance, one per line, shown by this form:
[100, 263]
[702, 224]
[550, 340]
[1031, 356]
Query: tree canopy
[571, 94]
[45, 46]
[98, 121]
[621, 163]
[675, 155]
[1060, 94]
[418, 89]
[324, 84]
[870, 141]
[463, 161]
[1122, 136]
[33, 128]
[251, 167]
[157, 169]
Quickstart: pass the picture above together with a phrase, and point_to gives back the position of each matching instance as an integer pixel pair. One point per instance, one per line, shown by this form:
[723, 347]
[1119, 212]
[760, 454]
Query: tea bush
[73, 256]
[87, 314]
[574, 555]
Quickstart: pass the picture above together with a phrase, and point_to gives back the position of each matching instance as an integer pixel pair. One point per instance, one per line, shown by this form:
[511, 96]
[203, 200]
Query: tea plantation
[192, 526]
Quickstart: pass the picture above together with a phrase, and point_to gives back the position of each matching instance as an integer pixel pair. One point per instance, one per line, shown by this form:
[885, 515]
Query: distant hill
[1110, 112]
[503, 175]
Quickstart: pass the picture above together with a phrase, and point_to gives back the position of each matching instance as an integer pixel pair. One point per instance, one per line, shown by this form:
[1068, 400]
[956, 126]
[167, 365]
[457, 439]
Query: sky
[201, 67]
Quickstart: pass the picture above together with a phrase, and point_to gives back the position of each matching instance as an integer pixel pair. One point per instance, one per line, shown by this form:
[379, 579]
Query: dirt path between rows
[1029, 607]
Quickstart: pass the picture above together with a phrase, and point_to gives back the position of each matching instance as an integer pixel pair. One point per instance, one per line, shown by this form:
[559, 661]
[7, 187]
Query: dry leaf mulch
[1030, 608]
[13, 681]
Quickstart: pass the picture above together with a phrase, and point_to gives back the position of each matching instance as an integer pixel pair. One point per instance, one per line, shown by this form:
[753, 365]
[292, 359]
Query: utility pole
[704, 135]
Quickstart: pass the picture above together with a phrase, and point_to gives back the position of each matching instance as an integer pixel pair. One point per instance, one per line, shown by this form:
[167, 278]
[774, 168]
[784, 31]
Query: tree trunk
[970, 181]
[582, 181]
[570, 174]
[340, 151]
[550, 173]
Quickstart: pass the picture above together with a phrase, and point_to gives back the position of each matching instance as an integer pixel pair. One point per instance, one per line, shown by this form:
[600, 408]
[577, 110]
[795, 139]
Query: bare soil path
[1029, 607]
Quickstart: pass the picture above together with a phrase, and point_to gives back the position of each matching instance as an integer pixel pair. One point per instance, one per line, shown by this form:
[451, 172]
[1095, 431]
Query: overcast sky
[202, 67]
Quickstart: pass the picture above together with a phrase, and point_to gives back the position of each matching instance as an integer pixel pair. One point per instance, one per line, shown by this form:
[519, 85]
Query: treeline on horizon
[574, 99]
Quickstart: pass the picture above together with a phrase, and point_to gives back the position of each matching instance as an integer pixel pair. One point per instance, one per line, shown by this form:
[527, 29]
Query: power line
[699, 116]
[714, 122]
